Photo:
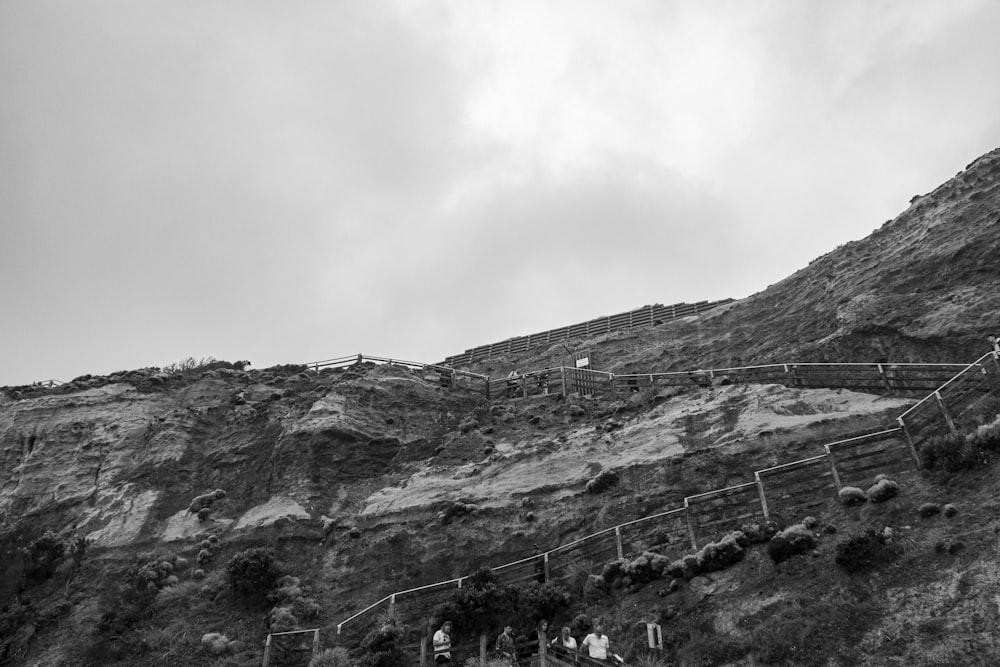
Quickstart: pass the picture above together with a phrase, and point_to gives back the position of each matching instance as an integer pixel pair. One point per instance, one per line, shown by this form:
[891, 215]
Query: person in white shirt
[565, 639]
[597, 644]
[442, 642]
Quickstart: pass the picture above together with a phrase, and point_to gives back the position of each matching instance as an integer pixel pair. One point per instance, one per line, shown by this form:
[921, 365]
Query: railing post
[690, 525]
[885, 379]
[833, 468]
[423, 643]
[763, 499]
[944, 411]
[267, 648]
[618, 542]
[542, 648]
[909, 441]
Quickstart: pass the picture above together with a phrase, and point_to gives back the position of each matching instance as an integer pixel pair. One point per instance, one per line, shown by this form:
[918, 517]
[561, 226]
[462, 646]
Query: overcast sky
[292, 181]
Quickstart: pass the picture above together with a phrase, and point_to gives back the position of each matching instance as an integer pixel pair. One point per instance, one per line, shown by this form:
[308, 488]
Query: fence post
[423, 642]
[542, 647]
[482, 649]
[833, 467]
[909, 440]
[790, 372]
[690, 525]
[267, 648]
[618, 542]
[392, 604]
[315, 641]
[944, 411]
[760, 492]
[548, 574]
[885, 380]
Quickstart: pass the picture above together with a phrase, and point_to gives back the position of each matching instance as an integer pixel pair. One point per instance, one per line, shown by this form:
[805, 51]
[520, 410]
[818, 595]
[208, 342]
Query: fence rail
[645, 316]
[788, 490]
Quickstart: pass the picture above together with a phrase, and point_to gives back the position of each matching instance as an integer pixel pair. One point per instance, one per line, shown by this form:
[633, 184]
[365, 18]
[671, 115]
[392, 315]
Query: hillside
[371, 479]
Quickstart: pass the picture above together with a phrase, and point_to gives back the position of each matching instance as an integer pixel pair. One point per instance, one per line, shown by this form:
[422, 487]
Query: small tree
[252, 573]
[482, 605]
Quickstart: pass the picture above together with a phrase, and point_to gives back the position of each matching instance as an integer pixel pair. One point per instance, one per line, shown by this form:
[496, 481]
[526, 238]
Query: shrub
[604, 480]
[537, 601]
[42, 557]
[252, 572]
[883, 490]
[381, 645]
[481, 605]
[281, 619]
[594, 588]
[951, 453]
[867, 550]
[792, 541]
[927, 510]
[852, 495]
[758, 533]
[720, 555]
[949, 510]
[332, 657]
[216, 643]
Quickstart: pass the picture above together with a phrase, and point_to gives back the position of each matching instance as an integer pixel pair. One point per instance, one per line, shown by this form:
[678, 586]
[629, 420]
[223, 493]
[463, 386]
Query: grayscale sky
[292, 181]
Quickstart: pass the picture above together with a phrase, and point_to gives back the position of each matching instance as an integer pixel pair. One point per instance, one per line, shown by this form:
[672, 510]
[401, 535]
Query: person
[513, 384]
[597, 643]
[504, 648]
[541, 632]
[565, 639]
[442, 642]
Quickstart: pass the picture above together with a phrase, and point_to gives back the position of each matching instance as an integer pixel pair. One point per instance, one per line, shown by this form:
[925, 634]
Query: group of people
[596, 644]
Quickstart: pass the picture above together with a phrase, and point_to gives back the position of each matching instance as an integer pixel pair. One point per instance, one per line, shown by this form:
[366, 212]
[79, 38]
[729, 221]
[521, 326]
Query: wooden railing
[645, 316]
[443, 375]
[785, 491]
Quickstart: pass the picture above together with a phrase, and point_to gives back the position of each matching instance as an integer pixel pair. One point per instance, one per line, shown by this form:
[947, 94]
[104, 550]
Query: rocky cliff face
[372, 479]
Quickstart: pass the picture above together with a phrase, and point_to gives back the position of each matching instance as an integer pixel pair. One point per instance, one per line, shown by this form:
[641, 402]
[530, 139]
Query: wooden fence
[290, 649]
[789, 491]
[645, 316]
[443, 375]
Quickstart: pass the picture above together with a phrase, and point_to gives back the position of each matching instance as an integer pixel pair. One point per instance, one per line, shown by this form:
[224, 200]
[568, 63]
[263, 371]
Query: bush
[481, 605]
[252, 572]
[927, 510]
[792, 541]
[332, 657]
[537, 601]
[883, 490]
[720, 555]
[852, 495]
[281, 619]
[216, 643]
[381, 645]
[951, 453]
[758, 533]
[42, 557]
[870, 549]
[604, 480]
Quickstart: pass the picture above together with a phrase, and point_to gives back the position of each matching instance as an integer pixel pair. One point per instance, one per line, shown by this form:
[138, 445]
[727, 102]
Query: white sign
[583, 363]
[655, 635]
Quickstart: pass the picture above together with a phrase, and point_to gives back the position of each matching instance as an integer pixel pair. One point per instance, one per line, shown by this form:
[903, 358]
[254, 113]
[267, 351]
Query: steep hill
[371, 479]
[925, 286]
